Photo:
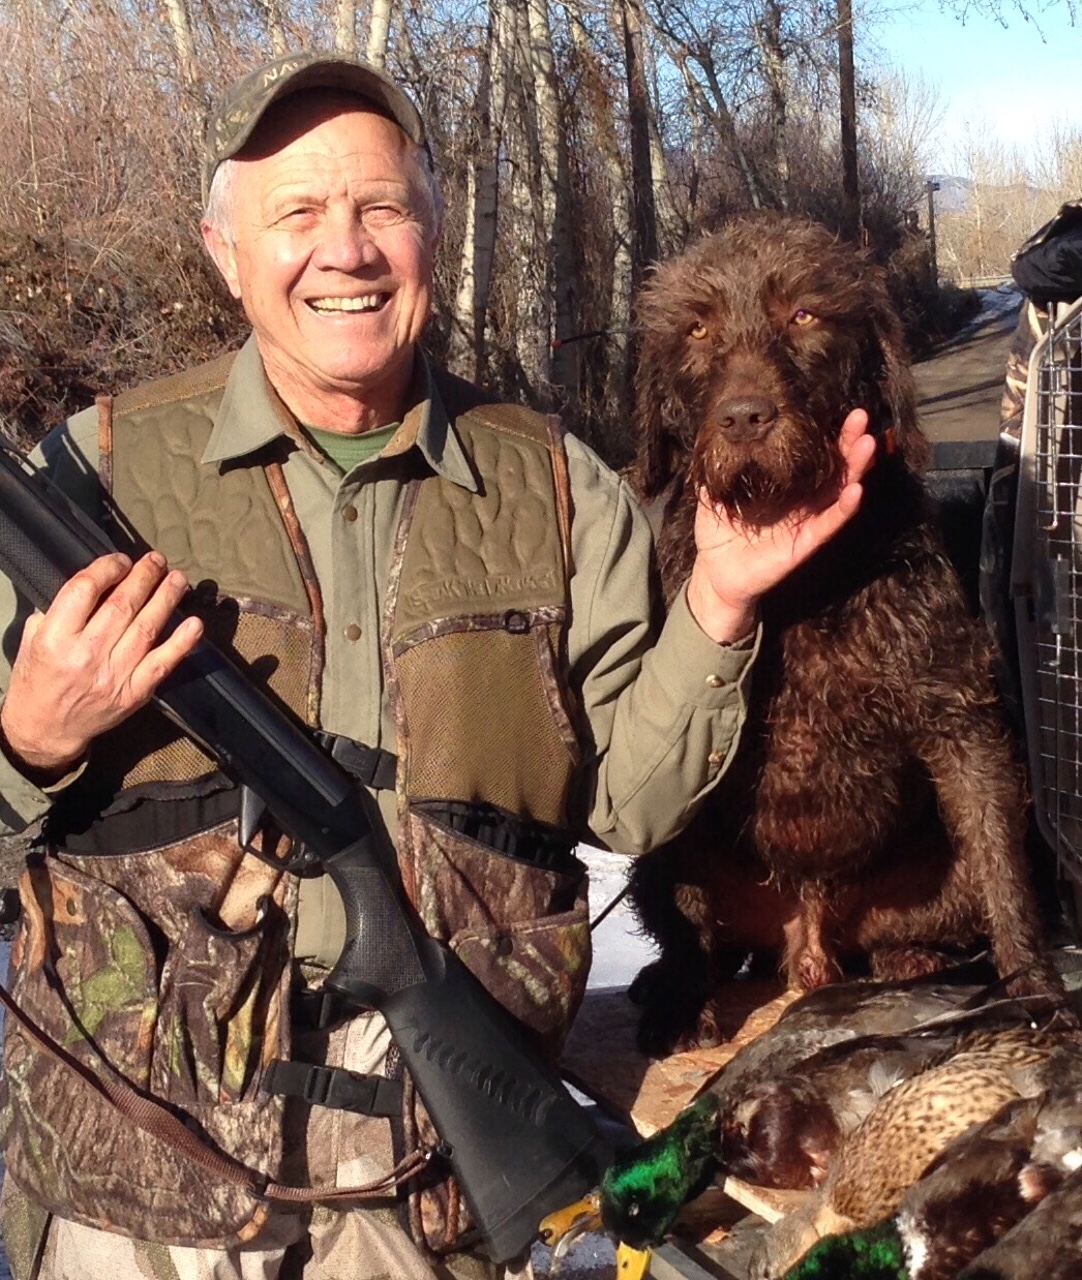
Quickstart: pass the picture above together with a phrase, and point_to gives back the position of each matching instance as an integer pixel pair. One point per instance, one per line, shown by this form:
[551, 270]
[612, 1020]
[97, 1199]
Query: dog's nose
[746, 417]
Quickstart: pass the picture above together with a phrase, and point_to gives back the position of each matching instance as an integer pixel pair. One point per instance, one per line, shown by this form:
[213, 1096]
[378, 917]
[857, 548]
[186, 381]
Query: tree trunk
[644, 208]
[193, 102]
[555, 199]
[772, 54]
[275, 22]
[379, 29]
[532, 309]
[180, 24]
[668, 222]
[605, 368]
[345, 27]
[848, 118]
[468, 336]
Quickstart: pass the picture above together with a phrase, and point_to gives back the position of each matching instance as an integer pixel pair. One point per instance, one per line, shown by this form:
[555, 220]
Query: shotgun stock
[518, 1142]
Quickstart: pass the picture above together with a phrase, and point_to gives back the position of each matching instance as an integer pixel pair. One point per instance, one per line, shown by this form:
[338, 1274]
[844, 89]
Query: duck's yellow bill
[631, 1264]
[562, 1228]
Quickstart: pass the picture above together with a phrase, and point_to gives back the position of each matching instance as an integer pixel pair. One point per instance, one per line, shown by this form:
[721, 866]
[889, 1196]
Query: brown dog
[874, 805]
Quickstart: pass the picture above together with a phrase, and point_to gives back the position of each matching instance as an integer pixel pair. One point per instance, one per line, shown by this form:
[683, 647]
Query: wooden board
[601, 1058]
[767, 1202]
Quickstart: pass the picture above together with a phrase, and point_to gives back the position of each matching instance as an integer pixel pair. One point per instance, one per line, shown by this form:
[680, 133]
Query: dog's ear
[895, 422]
[655, 449]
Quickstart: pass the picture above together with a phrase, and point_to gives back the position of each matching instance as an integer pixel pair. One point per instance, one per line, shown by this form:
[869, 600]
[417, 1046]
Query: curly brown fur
[874, 805]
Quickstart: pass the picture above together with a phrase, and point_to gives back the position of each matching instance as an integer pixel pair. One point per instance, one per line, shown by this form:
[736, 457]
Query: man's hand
[93, 659]
[735, 565]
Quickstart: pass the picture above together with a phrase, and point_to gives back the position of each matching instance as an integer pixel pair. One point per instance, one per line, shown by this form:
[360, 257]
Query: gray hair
[221, 196]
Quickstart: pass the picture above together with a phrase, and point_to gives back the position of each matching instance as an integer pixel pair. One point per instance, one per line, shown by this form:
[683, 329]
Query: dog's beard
[761, 490]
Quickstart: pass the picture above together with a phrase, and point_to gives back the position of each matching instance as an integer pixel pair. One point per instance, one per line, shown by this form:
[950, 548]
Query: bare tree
[555, 195]
[180, 24]
[274, 19]
[345, 27]
[643, 204]
[848, 118]
[379, 30]
[467, 343]
[695, 57]
[768, 38]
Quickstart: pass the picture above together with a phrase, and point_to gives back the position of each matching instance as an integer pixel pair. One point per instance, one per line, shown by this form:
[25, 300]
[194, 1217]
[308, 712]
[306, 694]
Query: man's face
[330, 252]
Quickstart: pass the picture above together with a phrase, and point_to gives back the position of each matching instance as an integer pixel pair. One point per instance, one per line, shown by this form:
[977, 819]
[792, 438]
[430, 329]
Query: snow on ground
[1003, 300]
[619, 951]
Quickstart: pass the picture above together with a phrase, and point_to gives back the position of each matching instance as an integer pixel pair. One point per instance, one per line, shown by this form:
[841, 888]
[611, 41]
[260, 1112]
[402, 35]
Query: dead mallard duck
[899, 1140]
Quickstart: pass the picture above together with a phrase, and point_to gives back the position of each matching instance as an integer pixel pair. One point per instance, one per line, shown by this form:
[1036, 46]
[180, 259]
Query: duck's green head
[876, 1253]
[646, 1187]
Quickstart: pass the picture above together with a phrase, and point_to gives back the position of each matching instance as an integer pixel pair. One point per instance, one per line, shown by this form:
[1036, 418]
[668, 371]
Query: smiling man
[457, 595]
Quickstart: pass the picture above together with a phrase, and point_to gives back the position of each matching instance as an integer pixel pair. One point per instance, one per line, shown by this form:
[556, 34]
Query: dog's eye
[803, 317]
[698, 331]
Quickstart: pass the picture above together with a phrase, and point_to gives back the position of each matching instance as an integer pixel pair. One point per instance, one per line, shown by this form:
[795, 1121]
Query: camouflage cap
[241, 109]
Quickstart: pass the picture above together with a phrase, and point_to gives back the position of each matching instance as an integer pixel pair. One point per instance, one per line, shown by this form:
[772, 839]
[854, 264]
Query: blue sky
[1012, 80]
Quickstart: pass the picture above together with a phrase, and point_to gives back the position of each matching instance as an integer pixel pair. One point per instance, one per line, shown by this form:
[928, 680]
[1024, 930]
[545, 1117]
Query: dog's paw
[647, 985]
[813, 970]
[900, 964]
[677, 1026]
[672, 1009]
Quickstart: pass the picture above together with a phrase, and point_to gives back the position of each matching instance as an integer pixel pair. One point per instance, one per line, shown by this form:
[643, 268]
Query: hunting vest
[155, 951]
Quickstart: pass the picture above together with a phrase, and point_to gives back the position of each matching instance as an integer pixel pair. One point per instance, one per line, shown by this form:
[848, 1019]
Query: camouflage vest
[153, 947]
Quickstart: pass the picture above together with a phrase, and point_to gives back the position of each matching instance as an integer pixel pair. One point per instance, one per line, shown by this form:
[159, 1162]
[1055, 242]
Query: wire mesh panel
[1048, 584]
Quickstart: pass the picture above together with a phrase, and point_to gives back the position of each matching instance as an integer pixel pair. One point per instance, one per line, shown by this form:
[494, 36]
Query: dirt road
[959, 387]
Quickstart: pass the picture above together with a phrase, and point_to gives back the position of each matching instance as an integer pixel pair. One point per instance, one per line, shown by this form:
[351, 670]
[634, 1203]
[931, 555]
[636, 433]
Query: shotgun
[519, 1144]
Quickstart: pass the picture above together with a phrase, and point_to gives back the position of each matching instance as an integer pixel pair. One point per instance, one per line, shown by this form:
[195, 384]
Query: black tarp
[1048, 267]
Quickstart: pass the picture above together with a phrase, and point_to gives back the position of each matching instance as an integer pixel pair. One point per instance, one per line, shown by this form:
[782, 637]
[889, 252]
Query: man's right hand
[93, 659]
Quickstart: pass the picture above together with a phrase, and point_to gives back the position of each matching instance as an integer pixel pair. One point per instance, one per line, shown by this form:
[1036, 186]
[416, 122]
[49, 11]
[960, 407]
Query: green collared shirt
[663, 710]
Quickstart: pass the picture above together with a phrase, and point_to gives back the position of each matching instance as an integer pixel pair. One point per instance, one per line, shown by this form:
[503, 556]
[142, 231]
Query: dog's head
[756, 343]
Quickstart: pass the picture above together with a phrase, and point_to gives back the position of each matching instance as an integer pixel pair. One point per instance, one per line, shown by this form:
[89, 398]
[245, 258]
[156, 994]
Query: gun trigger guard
[251, 820]
[301, 862]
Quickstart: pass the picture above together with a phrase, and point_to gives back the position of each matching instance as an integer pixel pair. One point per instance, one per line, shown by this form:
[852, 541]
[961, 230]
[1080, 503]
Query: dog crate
[1046, 582]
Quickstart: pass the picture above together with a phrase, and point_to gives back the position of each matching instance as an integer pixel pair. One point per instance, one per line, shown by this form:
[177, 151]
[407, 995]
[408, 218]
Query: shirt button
[716, 759]
[714, 681]
[353, 632]
[349, 514]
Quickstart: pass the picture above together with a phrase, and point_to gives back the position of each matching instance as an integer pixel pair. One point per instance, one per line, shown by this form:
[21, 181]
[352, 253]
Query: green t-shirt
[347, 450]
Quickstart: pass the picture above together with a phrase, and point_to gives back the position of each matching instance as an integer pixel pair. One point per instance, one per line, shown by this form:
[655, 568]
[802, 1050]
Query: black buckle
[316, 1088]
[371, 766]
[335, 1087]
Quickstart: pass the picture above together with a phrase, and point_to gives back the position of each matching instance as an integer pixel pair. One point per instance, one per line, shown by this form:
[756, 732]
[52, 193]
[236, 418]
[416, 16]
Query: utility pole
[931, 187]
[847, 93]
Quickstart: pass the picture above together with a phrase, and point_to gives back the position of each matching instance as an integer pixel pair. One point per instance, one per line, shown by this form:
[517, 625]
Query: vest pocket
[521, 929]
[109, 985]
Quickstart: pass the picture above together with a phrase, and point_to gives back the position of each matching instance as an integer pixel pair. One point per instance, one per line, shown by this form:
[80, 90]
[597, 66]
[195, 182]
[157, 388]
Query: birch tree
[180, 24]
[768, 38]
[618, 286]
[482, 196]
[274, 19]
[345, 27]
[379, 30]
[555, 196]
